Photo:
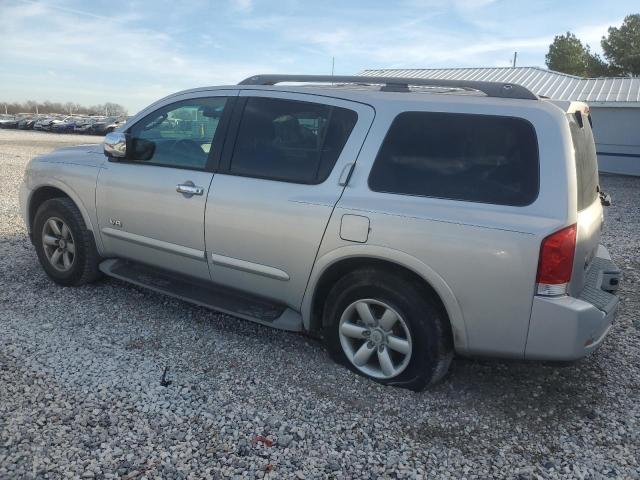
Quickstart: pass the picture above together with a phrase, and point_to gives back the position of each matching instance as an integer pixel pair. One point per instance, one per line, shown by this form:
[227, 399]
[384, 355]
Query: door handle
[345, 176]
[188, 189]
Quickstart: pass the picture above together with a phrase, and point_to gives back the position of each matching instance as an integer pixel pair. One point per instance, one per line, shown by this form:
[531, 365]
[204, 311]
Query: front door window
[179, 135]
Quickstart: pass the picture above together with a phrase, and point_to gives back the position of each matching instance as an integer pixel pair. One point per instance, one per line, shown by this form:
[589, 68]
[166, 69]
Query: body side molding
[250, 267]
[157, 244]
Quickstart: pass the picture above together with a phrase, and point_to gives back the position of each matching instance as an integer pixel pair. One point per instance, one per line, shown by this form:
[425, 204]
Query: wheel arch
[336, 263]
[45, 192]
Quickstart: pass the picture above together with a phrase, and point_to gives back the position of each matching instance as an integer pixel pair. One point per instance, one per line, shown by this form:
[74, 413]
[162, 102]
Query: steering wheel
[187, 147]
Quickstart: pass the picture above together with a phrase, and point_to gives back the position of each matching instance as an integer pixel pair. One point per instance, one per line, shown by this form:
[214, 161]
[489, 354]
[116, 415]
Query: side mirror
[115, 145]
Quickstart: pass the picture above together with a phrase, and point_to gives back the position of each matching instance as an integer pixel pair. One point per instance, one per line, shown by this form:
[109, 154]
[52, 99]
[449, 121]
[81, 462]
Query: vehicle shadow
[533, 400]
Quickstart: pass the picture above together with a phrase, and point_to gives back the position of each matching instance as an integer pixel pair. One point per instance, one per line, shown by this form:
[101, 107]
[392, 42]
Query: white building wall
[617, 134]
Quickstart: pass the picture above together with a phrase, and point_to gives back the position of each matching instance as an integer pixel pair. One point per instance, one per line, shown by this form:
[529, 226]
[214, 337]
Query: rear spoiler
[570, 107]
[574, 108]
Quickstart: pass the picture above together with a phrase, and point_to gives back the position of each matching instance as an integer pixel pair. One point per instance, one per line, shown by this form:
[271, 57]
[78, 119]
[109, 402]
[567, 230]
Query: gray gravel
[80, 392]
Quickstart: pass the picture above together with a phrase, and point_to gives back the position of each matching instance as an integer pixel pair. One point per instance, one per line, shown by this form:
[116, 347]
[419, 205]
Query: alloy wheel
[375, 338]
[59, 244]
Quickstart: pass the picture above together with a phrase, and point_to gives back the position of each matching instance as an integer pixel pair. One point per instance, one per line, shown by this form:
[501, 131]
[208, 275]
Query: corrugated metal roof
[546, 83]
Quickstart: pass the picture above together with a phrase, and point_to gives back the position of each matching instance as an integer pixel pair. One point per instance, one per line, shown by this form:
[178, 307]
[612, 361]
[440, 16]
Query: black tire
[84, 266]
[431, 339]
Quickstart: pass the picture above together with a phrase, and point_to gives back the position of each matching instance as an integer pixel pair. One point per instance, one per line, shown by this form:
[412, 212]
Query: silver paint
[276, 239]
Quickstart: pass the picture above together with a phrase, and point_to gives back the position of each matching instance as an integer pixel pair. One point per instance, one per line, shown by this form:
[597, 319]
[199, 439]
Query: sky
[135, 52]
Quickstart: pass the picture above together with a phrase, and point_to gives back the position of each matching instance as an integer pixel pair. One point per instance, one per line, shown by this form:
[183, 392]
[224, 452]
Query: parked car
[66, 125]
[27, 123]
[9, 122]
[61, 125]
[400, 220]
[84, 125]
[107, 125]
[44, 123]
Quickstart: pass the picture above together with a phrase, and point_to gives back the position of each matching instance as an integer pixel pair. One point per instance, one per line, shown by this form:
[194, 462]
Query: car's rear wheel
[386, 327]
[65, 248]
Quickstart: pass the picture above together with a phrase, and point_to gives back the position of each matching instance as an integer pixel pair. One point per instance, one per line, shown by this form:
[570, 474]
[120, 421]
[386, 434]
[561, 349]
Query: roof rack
[400, 84]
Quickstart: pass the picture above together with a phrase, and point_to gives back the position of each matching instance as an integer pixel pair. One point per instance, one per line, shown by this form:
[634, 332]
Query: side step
[207, 295]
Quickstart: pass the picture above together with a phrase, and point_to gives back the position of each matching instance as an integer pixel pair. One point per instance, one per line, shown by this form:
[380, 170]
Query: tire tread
[433, 364]
[83, 238]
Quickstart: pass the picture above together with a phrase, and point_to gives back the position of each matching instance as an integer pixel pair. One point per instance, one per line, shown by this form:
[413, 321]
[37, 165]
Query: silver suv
[400, 220]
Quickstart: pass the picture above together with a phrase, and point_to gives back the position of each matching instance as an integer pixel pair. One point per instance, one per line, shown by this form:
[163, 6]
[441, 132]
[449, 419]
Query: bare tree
[114, 109]
[31, 106]
[68, 108]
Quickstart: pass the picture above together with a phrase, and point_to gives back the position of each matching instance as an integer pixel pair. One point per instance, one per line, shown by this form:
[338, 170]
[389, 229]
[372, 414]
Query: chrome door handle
[188, 189]
[345, 176]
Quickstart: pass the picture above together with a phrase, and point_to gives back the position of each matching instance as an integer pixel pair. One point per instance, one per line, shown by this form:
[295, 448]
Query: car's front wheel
[386, 327]
[65, 247]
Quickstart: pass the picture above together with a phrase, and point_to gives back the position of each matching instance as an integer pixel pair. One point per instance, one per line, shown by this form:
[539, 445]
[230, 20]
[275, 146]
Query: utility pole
[333, 66]
[5, 108]
[515, 58]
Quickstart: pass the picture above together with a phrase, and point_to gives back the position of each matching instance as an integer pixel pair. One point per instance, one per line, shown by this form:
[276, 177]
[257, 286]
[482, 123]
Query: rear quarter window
[476, 158]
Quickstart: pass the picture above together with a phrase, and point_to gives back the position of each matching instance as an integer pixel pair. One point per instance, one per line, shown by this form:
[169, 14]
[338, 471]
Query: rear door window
[586, 159]
[477, 158]
[290, 140]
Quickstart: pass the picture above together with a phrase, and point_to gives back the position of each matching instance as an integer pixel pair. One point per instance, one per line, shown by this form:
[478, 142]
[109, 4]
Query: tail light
[556, 262]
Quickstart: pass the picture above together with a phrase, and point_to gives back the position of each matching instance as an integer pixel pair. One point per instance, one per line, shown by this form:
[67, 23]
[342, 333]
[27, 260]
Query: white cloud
[243, 5]
[473, 4]
[409, 43]
[81, 48]
[50, 50]
[463, 5]
[592, 34]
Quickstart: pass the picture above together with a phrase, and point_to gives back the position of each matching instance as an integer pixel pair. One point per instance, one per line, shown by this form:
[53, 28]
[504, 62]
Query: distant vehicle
[65, 125]
[84, 125]
[60, 121]
[100, 125]
[106, 125]
[9, 122]
[27, 123]
[400, 220]
[44, 123]
[115, 125]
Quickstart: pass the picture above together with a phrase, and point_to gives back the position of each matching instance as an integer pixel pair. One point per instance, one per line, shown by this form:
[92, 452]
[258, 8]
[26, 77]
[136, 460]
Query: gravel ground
[80, 392]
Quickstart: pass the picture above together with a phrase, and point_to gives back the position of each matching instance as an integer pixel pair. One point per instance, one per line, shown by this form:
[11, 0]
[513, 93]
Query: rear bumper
[569, 328]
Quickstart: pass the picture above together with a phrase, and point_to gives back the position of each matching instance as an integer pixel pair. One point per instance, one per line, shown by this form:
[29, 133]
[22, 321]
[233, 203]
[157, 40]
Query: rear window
[586, 159]
[476, 158]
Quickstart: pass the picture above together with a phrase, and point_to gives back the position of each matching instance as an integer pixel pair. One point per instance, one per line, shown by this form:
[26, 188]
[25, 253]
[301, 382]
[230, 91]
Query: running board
[207, 295]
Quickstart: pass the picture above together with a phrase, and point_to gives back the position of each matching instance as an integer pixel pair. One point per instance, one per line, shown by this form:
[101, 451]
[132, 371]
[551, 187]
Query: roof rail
[400, 84]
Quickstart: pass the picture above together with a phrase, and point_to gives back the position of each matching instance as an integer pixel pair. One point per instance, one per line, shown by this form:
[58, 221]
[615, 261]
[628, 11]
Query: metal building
[614, 102]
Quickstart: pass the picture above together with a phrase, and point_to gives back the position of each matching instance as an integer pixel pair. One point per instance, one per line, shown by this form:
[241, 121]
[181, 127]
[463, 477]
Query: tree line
[621, 48]
[68, 108]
